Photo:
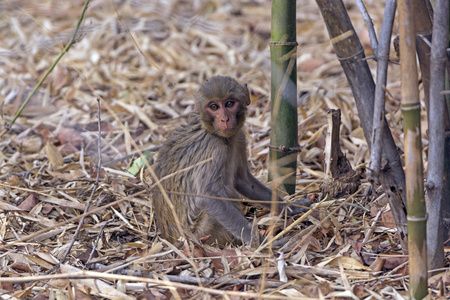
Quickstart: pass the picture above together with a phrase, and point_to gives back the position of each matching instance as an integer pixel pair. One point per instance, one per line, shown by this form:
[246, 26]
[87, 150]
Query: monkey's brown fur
[215, 133]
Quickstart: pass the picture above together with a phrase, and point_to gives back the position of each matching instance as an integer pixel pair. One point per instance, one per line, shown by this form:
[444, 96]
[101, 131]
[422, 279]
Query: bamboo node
[410, 106]
[417, 219]
[283, 43]
[285, 149]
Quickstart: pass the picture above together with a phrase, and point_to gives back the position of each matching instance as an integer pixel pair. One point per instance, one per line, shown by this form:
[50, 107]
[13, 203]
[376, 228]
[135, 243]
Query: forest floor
[145, 60]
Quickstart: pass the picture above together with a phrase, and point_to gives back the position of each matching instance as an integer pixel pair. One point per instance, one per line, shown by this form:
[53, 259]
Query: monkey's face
[222, 103]
[224, 116]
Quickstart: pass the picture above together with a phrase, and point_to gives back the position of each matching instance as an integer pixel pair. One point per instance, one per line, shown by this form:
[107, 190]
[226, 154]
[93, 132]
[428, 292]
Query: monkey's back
[193, 162]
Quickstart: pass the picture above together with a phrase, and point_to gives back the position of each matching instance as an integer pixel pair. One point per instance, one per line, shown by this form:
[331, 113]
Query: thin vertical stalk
[435, 172]
[283, 55]
[382, 57]
[413, 153]
[446, 183]
[369, 25]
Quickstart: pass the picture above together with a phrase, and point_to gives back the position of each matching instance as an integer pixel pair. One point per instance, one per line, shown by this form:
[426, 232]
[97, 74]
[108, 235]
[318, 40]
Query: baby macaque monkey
[213, 141]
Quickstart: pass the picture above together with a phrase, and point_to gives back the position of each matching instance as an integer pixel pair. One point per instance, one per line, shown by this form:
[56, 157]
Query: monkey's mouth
[226, 132]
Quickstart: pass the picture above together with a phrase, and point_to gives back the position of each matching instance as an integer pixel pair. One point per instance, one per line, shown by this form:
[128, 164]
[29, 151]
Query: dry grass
[145, 59]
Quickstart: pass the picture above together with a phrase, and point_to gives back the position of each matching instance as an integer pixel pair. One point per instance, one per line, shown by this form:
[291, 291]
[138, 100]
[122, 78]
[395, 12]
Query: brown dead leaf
[48, 257]
[374, 211]
[313, 244]
[67, 149]
[7, 286]
[229, 254]
[393, 261]
[82, 294]
[63, 176]
[53, 155]
[154, 294]
[387, 220]
[356, 245]
[24, 293]
[360, 291]
[135, 252]
[39, 261]
[67, 135]
[14, 180]
[21, 267]
[348, 263]
[312, 290]
[63, 203]
[118, 188]
[137, 245]
[31, 201]
[31, 144]
[196, 252]
[93, 170]
[59, 283]
[46, 209]
[377, 264]
[46, 134]
[84, 254]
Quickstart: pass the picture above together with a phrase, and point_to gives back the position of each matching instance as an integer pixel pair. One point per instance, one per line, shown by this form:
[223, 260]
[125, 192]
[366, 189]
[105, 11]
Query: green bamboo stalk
[66, 48]
[283, 55]
[413, 153]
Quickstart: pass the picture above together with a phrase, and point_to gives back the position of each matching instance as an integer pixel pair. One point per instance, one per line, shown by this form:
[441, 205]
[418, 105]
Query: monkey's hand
[297, 206]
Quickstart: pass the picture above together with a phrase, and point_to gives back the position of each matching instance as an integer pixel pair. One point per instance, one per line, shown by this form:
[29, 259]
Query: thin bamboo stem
[369, 25]
[382, 57]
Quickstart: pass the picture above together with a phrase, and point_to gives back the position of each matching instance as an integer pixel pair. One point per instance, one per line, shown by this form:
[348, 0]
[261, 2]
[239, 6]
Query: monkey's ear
[247, 95]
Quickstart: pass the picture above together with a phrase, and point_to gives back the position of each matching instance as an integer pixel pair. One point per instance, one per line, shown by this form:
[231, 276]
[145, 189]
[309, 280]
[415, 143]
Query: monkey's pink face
[224, 116]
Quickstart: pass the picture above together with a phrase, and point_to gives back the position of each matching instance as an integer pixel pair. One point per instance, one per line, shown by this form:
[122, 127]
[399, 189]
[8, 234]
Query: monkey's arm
[252, 188]
[228, 216]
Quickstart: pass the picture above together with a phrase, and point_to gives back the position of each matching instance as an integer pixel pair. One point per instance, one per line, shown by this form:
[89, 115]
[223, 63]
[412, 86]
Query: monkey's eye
[229, 103]
[214, 106]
